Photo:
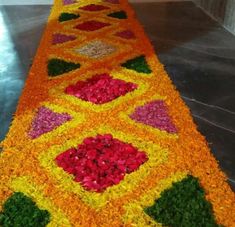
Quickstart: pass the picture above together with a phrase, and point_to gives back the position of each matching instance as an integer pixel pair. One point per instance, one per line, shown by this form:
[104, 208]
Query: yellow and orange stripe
[28, 165]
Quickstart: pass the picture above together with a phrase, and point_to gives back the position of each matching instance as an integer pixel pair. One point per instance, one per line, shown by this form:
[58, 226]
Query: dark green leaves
[118, 15]
[139, 64]
[19, 210]
[183, 205]
[68, 16]
[57, 67]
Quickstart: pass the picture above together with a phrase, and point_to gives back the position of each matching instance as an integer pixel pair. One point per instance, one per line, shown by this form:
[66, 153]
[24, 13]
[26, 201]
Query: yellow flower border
[155, 154]
[77, 118]
[189, 152]
[25, 185]
[157, 132]
[142, 87]
[134, 211]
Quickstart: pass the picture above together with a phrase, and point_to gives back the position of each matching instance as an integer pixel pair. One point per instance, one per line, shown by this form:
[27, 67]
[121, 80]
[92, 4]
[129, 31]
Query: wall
[222, 10]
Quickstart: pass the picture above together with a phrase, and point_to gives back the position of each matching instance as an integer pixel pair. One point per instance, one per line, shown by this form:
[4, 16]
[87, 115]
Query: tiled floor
[20, 31]
[199, 56]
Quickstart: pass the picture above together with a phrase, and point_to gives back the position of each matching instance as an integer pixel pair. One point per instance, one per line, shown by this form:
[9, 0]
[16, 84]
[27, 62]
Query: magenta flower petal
[46, 120]
[100, 89]
[154, 114]
[68, 2]
[61, 38]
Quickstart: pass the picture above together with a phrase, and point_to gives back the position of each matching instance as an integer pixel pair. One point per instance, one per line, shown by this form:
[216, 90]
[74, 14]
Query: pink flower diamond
[100, 89]
[94, 7]
[101, 161]
[91, 25]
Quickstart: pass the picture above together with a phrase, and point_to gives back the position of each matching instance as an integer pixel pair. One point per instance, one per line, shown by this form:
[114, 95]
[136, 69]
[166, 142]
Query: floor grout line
[208, 105]
[212, 123]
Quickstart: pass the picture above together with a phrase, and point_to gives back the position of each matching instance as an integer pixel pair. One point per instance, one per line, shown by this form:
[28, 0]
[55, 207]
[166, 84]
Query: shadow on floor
[21, 28]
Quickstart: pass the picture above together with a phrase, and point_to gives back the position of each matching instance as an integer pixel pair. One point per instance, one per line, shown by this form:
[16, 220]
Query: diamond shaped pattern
[101, 161]
[96, 49]
[91, 25]
[94, 7]
[100, 89]
[101, 104]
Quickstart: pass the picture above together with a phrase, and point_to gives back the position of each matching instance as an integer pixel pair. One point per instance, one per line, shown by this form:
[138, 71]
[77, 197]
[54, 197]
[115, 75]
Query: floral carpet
[101, 137]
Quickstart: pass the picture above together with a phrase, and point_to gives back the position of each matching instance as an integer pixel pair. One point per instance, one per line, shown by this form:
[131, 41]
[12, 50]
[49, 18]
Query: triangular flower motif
[21, 210]
[68, 2]
[46, 120]
[154, 114]
[62, 38]
[57, 67]
[68, 16]
[184, 204]
[139, 64]
[118, 15]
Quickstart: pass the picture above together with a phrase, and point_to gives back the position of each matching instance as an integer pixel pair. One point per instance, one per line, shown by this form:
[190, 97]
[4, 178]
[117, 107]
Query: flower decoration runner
[101, 137]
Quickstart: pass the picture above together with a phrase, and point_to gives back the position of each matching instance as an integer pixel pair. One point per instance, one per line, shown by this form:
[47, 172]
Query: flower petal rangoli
[91, 25]
[101, 161]
[100, 89]
[126, 34]
[46, 120]
[154, 114]
[94, 7]
[101, 137]
[61, 38]
[96, 49]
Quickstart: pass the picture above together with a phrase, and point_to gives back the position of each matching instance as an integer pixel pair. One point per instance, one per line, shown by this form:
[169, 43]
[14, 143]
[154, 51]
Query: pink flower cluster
[100, 89]
[68, 2]
[94, 7]
[46, 120]
[101, 161]
[61, 38]
[91, 25]
[155, 114]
